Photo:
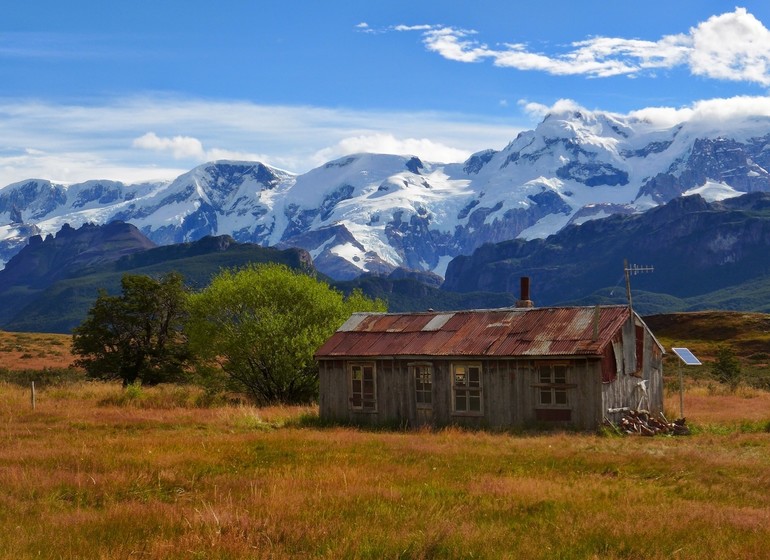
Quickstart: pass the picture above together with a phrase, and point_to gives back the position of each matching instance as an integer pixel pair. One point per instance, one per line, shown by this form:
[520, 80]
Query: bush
[46, 377]
[161, 397]
[726, 368]
[261, 326]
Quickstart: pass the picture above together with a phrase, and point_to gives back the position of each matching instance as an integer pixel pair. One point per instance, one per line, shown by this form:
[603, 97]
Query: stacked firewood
[641, 422]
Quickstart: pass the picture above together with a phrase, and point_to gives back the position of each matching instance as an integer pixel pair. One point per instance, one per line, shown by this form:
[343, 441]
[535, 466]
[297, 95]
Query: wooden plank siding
[509, 394]
[516, 390]
[625, 390]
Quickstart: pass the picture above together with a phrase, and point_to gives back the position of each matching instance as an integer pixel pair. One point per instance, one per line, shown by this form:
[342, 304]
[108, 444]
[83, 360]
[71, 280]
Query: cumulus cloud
[75, 166]
[182, 147]
[152, 138]
[732, 46]
[424, 148]
[709, 112]
[538, 110]
[187, 147]
[159, 137]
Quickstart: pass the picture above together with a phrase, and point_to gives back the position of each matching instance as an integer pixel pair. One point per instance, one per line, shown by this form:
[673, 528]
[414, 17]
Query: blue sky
[149, 89]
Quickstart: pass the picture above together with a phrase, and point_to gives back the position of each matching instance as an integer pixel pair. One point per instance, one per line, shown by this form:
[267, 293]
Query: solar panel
[686, 356]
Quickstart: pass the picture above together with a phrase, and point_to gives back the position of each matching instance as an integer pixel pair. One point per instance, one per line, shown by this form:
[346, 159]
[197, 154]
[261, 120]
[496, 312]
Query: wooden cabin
[524, 366]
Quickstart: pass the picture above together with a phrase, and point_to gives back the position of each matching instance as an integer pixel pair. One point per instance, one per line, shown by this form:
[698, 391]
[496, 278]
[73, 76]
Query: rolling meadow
[98, 471]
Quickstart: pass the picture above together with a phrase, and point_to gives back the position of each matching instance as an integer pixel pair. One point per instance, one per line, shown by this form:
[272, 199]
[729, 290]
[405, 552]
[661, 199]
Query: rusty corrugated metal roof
[546, 331]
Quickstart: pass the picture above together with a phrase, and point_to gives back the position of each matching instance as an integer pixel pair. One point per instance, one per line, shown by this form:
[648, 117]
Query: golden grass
[82, 479]
[711, 403]
[20, 351]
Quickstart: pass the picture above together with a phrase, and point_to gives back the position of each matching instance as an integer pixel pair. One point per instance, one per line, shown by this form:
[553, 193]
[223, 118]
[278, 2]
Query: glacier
[373, 213]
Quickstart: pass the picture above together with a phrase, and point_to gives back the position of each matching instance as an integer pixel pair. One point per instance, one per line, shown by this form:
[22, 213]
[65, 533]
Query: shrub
[42, 377]
[726, 368]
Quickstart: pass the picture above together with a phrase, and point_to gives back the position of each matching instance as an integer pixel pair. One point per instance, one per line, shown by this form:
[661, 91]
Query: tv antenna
[629, 270]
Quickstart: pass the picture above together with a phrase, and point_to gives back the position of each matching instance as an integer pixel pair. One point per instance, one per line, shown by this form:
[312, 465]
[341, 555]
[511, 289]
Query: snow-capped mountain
[370, 212]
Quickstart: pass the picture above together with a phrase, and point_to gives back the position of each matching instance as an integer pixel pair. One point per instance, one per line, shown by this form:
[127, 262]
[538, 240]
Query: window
[552, 385]
[423, 385]
[466, 387]
[363, 387]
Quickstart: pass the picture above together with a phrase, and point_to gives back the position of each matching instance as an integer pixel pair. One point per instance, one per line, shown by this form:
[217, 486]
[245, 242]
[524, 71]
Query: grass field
[95, 471]
[91, 474]
[34, 350]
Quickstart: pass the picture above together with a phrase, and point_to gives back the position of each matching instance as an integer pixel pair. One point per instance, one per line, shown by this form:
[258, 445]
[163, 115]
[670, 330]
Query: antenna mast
[629, 270]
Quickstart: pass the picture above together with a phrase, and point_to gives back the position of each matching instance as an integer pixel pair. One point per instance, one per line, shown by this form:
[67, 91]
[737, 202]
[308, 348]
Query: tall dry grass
[20, 351]
[83, 477]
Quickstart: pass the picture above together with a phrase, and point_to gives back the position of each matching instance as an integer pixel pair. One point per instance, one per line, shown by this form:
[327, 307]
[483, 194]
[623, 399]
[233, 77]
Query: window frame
[467, 389]
[553, 383]
[365, 405]
[419, 386]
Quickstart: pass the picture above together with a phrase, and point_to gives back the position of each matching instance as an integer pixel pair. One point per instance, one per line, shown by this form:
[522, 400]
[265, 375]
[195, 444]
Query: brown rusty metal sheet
[553, 331]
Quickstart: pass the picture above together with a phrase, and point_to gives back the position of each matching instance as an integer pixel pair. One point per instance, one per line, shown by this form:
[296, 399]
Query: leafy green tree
[136, 336]
[263, 323]
[726, 368]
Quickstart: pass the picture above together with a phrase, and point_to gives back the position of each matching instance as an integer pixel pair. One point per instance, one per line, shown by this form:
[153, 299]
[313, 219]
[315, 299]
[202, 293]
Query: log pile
[641, 422]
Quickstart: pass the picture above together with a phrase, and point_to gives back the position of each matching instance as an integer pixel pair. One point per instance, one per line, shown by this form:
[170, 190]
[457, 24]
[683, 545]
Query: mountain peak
[377, 212]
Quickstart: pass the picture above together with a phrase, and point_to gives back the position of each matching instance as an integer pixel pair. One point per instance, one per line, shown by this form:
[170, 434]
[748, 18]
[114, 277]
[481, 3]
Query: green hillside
[64, 305]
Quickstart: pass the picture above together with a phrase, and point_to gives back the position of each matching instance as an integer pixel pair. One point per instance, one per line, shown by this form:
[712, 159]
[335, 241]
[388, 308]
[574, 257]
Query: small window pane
[560, 374]
[474, 403]
[466, 388]
[460, 403]
[423, 375]
[363, 391]
[560, 397]
[545, 396]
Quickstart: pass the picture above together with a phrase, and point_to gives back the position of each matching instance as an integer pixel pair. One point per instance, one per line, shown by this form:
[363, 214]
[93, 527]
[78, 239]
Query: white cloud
[156, 137]
[71, 143]
[538, 110]
[182, 147]
[413, 28]
[709, 112]
[732, 46]
[72, 167]
[388, 144]
[187, 147]
[451, 43]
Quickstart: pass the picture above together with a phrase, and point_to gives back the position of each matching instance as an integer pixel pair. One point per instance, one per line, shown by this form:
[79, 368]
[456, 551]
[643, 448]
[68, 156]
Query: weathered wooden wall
[509, 394]
[625, 391]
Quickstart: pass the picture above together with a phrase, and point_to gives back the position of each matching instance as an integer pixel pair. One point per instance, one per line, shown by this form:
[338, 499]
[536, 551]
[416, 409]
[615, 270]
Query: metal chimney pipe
[524, 301]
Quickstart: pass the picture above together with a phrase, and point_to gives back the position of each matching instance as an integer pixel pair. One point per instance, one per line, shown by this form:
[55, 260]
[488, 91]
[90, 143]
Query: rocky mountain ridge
[703, 255]
[695, 247]
[52, 282]
[373, 213]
